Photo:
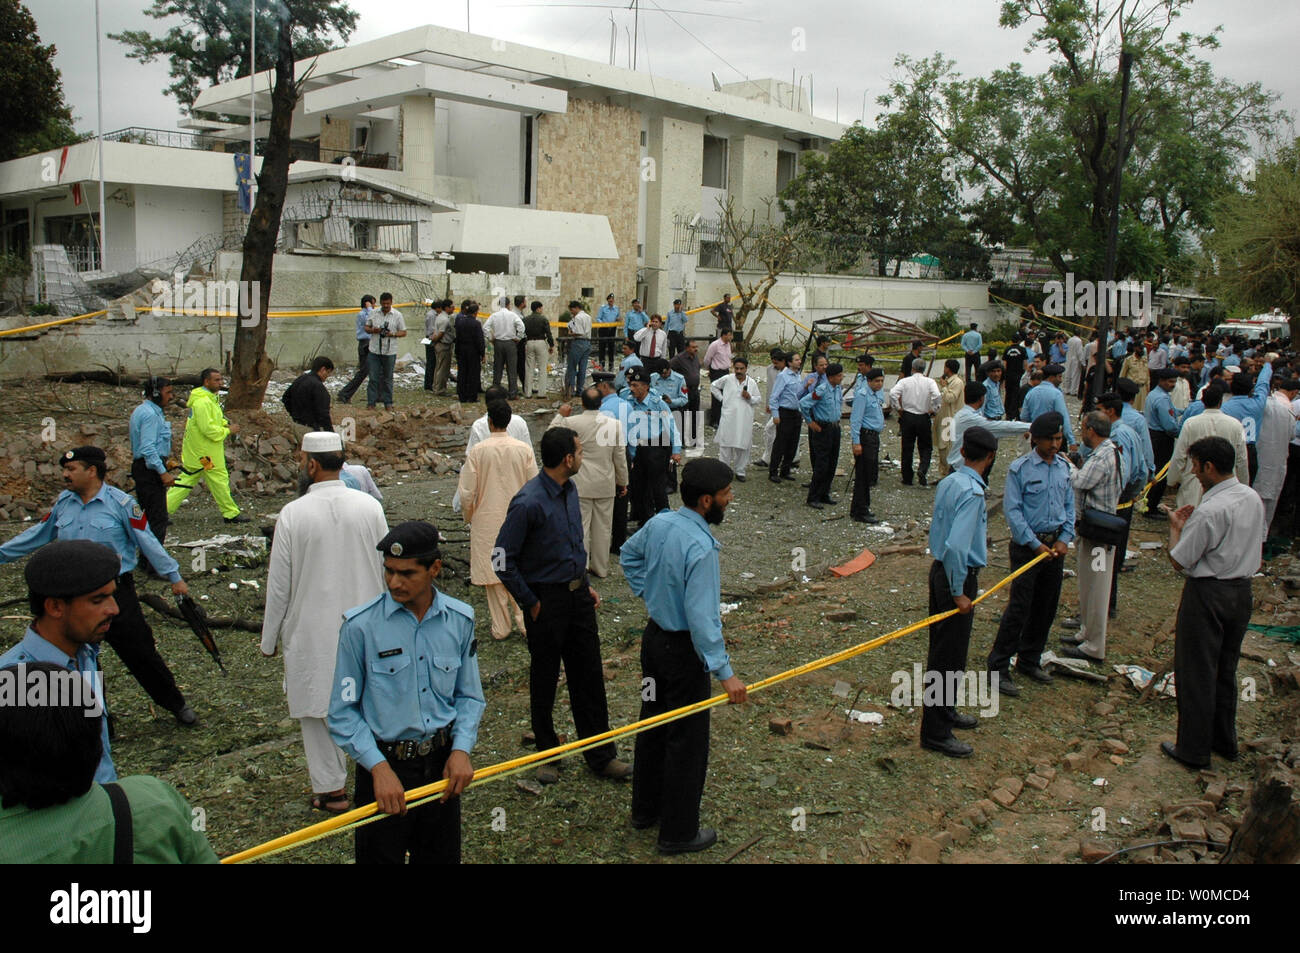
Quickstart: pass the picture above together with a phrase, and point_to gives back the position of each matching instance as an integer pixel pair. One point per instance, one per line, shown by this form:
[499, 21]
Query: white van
[1274, 326]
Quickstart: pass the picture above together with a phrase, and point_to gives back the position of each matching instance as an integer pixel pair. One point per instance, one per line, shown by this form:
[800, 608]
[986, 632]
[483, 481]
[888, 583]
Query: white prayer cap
[1230, 368]
[322, 441]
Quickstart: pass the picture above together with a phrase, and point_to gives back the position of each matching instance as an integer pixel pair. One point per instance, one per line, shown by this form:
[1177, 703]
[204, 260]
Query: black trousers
[430, 364]
[786, 442]
[915, 429]
[972, 365]
[1030, 611]
[565, 631]
[715, 406]
[363, 368]
[430, 832]
[648, 481]
[1286, 522]
[1163, 445]
[505, 354]
[618, 527]
[1127, 513]
[692, 422]
[1012, 401]
[671, 761]
[1212, 620]
[1252, 462]
[949, 643]
[604, 346]
[676, 343]
[827, 447]
[151, 493]
[132, 639]
[866, 471]
[469, 378]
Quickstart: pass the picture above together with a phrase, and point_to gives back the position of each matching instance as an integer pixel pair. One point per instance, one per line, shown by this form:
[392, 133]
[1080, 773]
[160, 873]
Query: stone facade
[588, 160]
[335, 137]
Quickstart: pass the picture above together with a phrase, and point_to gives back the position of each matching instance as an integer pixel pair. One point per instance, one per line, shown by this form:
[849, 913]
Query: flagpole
[252, 97]
[99, 105]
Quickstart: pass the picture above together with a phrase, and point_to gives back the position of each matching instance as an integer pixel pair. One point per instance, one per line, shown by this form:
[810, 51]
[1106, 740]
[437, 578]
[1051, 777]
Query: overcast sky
[850, 44]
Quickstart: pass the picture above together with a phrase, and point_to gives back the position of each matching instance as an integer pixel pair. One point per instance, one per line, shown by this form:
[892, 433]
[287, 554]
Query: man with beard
[672, 564]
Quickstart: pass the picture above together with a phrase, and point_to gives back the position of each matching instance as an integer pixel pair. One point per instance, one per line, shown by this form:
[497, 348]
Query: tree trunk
[250, 367]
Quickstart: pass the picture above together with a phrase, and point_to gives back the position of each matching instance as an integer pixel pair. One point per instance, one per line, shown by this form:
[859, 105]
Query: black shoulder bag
[123, 829]
[1109, 529]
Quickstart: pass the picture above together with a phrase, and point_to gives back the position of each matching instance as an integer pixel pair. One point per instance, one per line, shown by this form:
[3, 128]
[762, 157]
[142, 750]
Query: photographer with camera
[384, 327]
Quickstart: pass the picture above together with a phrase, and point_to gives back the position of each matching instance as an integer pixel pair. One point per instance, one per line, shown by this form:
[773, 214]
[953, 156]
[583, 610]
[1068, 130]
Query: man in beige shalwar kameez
[952, 398]
[494, 472]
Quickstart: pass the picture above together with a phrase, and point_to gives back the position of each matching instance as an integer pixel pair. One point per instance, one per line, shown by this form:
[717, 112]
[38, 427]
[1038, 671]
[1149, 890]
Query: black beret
[866, 359]
[991, 366]
[71, 567]
[1166, 373]
[1051, 370]
[599, 377]
[974, 392]
[706, 475]
[1126, 387]
[874, 373]
[1047, 425]
[833, 369]
[85, 455]
[977, 442]
[638, 375]
[1181, 360]
[414, 539]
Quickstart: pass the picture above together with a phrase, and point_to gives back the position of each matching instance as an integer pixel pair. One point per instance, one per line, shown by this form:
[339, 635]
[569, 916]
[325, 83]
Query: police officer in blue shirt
[822, 407]
[407, 702]
[992, 372]
[972, 342]
[151, 445]
[70, 586]
[635, 319]
[363, 350]
[675, 325]
[783, 405]
[92, 509]
[1039, 506]
[1046, 397]
[653, 441]
[866, 423]
[672, 563]
[959, 543]
[1163, 421]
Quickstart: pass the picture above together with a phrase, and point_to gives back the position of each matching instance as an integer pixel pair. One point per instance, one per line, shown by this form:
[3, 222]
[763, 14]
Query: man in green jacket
[203, 452]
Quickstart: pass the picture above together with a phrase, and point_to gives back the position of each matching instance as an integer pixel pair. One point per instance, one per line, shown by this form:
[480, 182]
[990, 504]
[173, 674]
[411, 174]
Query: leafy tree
[210, 45]
[755, 253]
[1044, 146]
[33, 113]
[886, 186]
[1256, 240]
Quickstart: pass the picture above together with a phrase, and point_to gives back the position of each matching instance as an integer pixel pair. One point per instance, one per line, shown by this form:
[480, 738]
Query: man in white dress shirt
[505, 329]
[916, 398]
[652, 340]
[1211, 422]
[323, 562]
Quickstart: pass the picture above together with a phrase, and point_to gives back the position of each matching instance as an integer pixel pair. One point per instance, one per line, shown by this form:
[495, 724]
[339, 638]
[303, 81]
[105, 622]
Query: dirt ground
[829, 790]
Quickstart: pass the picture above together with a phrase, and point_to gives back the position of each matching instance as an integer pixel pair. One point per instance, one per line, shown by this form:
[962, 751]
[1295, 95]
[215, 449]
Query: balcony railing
[300, 149]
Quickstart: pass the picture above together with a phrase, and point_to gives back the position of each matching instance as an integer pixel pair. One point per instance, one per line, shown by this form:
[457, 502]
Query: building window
[786, 168]
[715, 163]
[643, 137]
[588, 292]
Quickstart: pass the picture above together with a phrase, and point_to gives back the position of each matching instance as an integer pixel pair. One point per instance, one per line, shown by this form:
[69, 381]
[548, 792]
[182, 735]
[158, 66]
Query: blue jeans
[379, 389]
[575, 371]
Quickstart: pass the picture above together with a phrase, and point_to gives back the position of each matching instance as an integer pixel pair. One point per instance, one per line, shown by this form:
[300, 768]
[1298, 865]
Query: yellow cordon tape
[416, 796]
[1154, 480]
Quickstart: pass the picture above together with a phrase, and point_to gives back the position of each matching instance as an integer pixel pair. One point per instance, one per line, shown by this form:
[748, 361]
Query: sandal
[323, 802]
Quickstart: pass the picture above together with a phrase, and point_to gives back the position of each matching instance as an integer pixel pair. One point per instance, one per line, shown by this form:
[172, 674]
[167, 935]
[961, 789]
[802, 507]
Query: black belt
[1049, 537]
[573, 585]
[411, 750]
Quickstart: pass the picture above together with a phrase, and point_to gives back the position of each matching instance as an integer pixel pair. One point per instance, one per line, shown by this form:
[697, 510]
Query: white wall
[169, 220]
[484, 145]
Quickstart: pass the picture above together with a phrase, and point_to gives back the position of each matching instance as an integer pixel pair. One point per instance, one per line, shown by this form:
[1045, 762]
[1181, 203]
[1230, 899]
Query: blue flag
[244, 180]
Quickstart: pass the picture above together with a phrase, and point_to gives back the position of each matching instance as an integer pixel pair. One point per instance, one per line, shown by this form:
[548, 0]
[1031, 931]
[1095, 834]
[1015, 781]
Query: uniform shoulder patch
[455, 605]
[357, 610]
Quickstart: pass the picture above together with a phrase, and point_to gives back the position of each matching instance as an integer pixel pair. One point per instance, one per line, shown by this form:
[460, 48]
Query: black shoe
[964, 721]
[643, 823]
[241, 518]
[1035, 672]
[949, 746]
[907, 483]
[786, 476]
[806, 486]
[1073, 622]
[186, 716]
[1171, 749]
[761, 463]
[869, 520]
[829, 500]
[923, 481]
[705, 839]
[1071, 640]
[1072, 651]
[739, 479]
[872, 516]
[815, 505]
[1006, 686]
[773, 479]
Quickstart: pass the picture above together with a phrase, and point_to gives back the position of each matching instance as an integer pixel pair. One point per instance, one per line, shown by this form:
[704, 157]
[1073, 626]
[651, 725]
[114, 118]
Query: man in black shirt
[1013, 358]
[725, 314]
[307, 400]
[537, 351]
[687, 363]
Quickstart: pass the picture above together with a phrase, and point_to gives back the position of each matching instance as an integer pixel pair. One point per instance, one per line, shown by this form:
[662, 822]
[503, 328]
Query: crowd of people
[396, 689]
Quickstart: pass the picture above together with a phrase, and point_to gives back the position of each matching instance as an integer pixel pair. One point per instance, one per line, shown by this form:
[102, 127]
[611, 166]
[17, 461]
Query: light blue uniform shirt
[1038, 499]
[1160, 413]
[151, 436]
[363, 318]
[675, 321]
[992, 408]
[672, 389]
[1249, 410]
[396, 679]
[607, 314]
[111, 517]
[968, 417]
[1131, 416]
[33, 648]
[1042, 399]
[972, 341]
[650, 421]
[634, 321]
[785, 392]
[620, 379]
[826, 407]
[959, 529]
[612, 405]
[682, 588]
[1132, 460]
[1195, 408]
[1119, 349]
[868, 408]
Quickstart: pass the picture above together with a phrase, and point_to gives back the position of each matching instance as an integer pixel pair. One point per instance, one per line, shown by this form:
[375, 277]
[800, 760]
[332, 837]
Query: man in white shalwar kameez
[1211, 422]
[735, 434]
[1275, 432]
[495, 470]
[1074, 366]
[323, 562]
[478, 432]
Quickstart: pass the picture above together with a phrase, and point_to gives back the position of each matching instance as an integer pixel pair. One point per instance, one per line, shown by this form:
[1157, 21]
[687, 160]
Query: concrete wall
[484, 146]
[169, 220]
[676, 148]
[588, 161]
[751, 172]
